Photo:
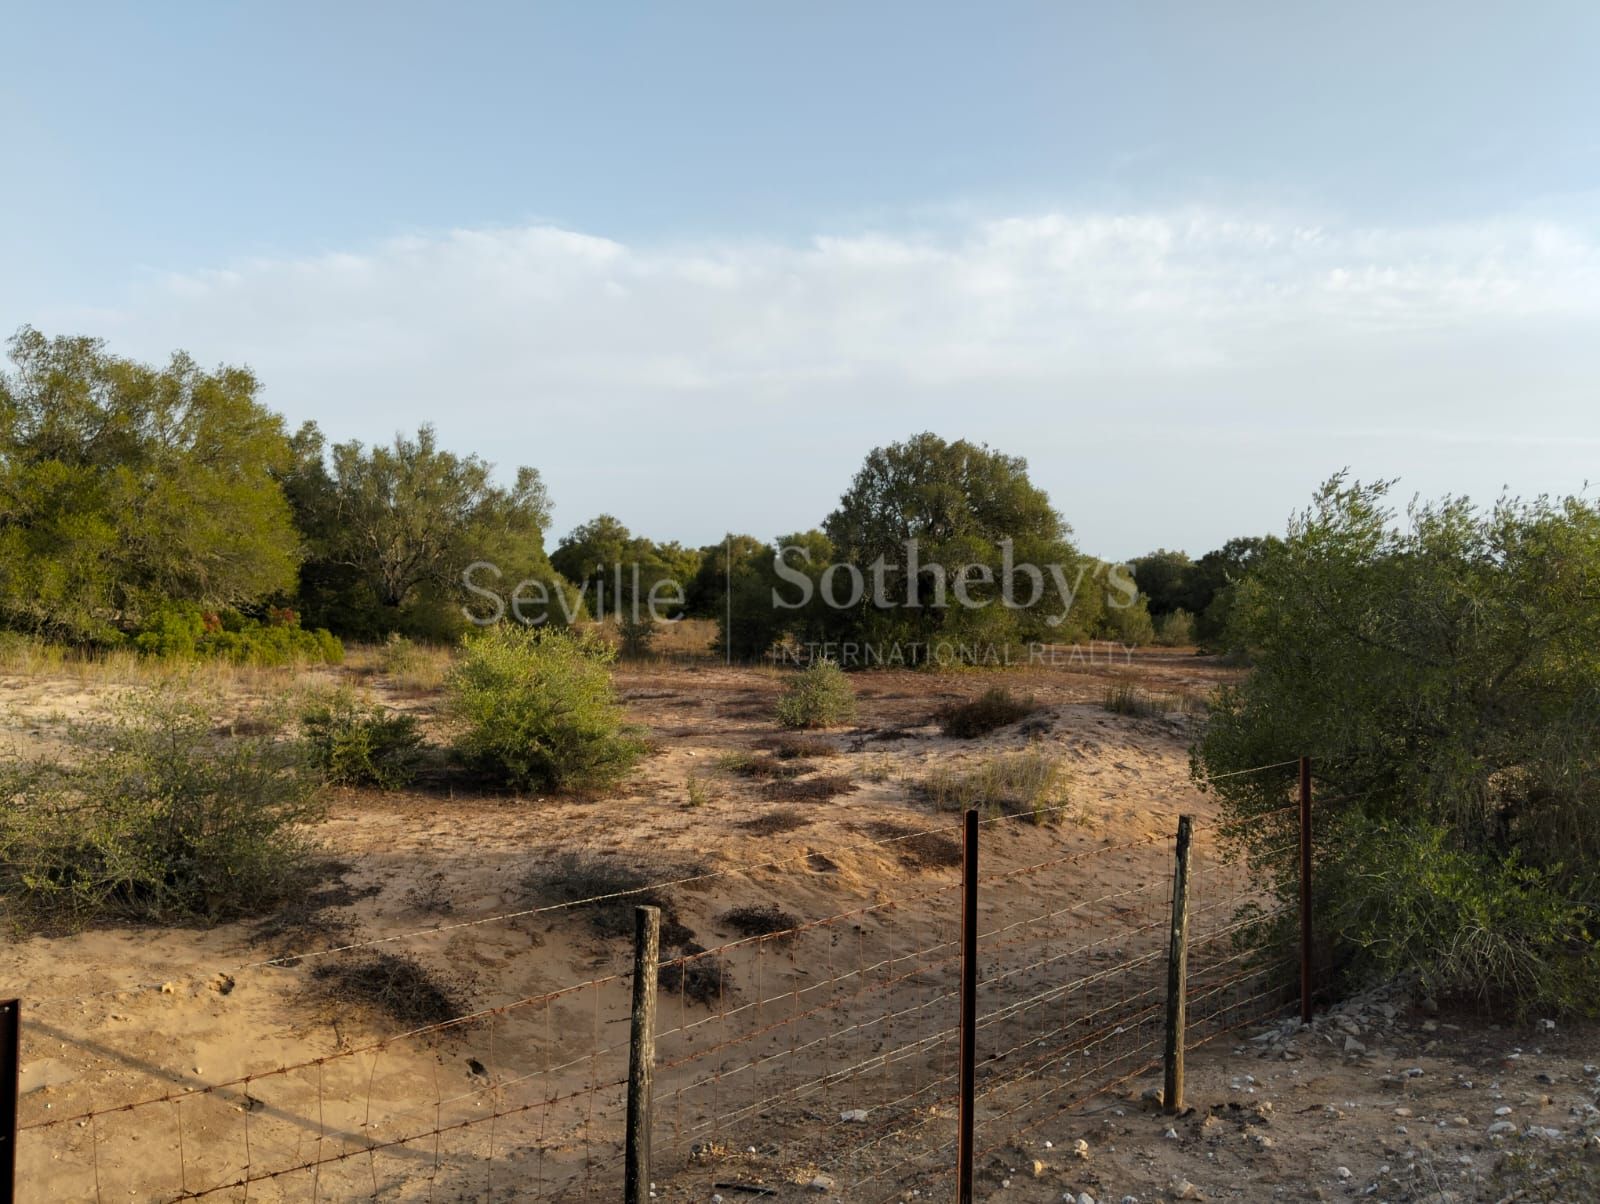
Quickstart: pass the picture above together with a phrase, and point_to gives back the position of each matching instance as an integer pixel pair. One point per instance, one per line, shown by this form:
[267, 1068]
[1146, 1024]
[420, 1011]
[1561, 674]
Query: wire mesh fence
[824, 1051]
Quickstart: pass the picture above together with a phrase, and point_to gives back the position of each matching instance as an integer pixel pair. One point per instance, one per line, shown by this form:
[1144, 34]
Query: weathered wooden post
[1178, 972]
[1305, 890]
[10, 1079]
[969, 1008]
[642, 1052]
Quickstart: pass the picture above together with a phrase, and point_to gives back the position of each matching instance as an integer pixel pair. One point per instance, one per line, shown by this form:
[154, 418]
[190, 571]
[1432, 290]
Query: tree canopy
[124, 486]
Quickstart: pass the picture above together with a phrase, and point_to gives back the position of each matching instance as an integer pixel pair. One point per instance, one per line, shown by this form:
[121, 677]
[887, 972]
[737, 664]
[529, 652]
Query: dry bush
[606, 892]
[775, 822]
[395, 986]
[762, 919]
[797, 747]
[698, 976]
[1031, 782]
[992, 710]
[812, 789]
[749, 766]
[916, 850]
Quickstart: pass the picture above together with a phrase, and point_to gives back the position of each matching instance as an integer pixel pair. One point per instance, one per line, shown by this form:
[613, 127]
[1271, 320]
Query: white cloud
[689, 387]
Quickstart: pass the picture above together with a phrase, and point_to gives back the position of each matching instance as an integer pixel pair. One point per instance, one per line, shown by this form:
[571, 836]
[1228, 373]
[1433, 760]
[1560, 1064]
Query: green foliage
[995, 708]
[124, 486]
[1129, 625]
[391, 532]
[1444, 678]
[161, 819]
[1175, 629]
[356, 742]
[820, 695]
[536, 710]
[1164, 578]
[180, 631]
[961, 502]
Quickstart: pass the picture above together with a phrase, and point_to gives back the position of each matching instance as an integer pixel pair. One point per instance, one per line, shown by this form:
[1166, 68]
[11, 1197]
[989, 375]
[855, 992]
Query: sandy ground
[762, 1077]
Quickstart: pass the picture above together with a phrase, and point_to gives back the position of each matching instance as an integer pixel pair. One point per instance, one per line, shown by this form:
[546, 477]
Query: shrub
[1440, 673]
[185, 631]
[1125, 696]
[1175, 630]
[637, 635]
[992, 710]
[536, 710]
[1031, 781]
[607, 892]
[820, 695]
[161, 820]
[360, 743]
[393, 985]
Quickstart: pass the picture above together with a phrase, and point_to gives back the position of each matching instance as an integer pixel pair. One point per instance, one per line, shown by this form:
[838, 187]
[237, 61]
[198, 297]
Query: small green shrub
[185, 632]
[536, 710]
[1175, 630]
[360, 743]
[818, 696]
[161, 819]
[995, 708]
[1031, 782]
[637, 636]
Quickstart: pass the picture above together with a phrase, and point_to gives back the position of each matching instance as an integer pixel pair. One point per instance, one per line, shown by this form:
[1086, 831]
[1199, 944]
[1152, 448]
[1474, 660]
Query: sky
[693, 261]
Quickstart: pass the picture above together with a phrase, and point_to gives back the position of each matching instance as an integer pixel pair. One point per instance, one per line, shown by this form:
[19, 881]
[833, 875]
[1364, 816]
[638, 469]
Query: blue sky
[692, 261]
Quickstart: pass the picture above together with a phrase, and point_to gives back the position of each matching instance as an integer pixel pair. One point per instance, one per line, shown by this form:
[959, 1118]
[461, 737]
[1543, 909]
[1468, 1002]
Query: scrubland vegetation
[160, 527]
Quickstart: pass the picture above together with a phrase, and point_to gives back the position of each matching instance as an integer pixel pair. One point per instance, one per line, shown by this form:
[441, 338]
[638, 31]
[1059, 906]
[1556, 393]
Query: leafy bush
[159, 820]
[182, 632]
[361, 743]
[537, 710]
[820, 695]
[994, 709]
[1441, 675]
[1033, 782]
[1175, 630]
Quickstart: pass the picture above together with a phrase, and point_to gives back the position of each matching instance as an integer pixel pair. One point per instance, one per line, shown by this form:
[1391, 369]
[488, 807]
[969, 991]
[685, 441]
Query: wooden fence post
[969, 1008]
[10, 1080]
[1305, 890]
[642, 1052]
[1178, 973]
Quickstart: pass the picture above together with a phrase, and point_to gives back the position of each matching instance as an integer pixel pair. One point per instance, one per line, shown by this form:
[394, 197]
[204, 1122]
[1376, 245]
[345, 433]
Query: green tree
[124, 486]
[963, 504]
[1443, 676]
[1163, 577]
[394, 529]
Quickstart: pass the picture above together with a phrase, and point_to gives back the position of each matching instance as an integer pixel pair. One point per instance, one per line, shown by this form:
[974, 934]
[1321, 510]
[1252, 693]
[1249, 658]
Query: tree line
[167, 506]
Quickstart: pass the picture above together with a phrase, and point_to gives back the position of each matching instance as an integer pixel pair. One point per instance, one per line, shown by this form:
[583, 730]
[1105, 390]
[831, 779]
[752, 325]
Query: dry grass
[794, 747]
[811, 790]
[775, 822]
[1130, 696]
[1031, 782]
[989, 712]
[606, 892]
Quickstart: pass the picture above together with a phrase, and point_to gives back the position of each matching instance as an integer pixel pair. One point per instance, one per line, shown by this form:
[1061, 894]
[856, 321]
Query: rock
[821, 1183]
[1342, 1171]
[1503, 1110]
[1501, 1128]
[1038, 1169]
[853, 1116]
[1184, 1190]
[1080, 1148]
[1352, 1046]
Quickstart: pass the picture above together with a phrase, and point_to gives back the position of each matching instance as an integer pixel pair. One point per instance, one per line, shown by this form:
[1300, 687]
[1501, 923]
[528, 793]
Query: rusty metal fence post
[642, 1054]
[1177, 973]
[969, 1008]
[10, 1079]
[1305, 890]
